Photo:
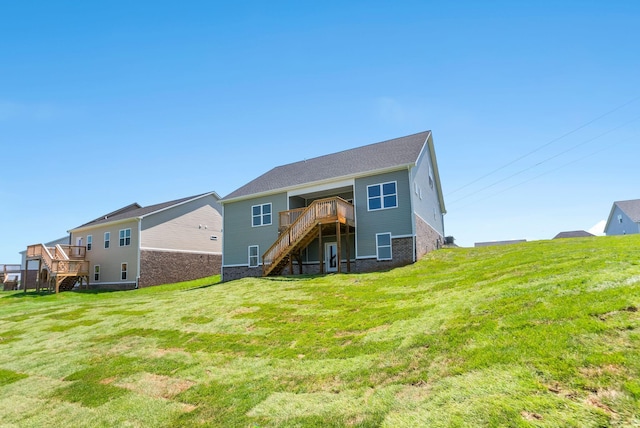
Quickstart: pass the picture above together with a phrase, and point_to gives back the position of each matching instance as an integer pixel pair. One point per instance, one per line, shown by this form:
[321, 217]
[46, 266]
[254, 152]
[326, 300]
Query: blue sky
[533, 105]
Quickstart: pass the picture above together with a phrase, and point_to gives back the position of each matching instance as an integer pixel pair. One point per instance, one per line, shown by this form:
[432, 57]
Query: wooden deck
[59, 267]
[299, 227]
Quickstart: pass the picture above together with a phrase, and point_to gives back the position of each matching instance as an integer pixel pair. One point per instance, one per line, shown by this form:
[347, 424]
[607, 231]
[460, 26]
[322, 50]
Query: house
[30, 268]
[9, 276]
[138, 246]
[493, 243]
[624, 218]
[573, 234]
[364, 209]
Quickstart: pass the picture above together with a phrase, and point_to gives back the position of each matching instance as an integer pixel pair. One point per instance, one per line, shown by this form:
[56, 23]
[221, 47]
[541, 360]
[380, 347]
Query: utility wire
[546, 160]
[543, 174]
[537, 149]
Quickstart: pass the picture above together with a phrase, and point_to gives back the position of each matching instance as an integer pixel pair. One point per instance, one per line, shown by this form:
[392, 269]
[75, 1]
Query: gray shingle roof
[386, 154]
[135, 210]
[631, 208]
[573, 234]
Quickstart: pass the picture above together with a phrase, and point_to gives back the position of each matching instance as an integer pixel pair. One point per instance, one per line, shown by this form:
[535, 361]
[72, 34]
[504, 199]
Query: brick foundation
[427, 238]
[164, 267]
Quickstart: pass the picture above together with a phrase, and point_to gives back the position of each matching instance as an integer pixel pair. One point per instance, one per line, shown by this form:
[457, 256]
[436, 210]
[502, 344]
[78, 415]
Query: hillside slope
[538, 334]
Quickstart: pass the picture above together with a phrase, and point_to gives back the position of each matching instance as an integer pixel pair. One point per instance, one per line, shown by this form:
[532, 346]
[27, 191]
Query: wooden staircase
[62, 265]
[301, 227]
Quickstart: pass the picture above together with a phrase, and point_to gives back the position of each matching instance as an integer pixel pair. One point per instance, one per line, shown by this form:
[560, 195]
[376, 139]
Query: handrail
[335, 207]
[59, 262]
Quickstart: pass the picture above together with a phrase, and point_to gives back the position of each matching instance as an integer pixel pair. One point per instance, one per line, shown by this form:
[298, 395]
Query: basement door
[331, 257]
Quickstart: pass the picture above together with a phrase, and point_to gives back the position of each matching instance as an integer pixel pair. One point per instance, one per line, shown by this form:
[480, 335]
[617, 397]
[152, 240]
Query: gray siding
[241, 234]
[626, 227]
[398, 220]
[186, 227]
[424, 192]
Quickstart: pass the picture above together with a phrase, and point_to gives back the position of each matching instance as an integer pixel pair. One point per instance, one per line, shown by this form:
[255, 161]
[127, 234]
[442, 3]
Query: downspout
[223, 236]
[139, 247]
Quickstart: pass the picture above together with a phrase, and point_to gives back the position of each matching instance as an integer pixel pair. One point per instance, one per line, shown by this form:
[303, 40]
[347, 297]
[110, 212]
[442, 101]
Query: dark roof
[573, 234]
[135, 210]
[398, 152]
[631, 208]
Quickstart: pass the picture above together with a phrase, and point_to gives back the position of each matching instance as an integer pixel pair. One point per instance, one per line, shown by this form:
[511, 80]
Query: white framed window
[96, 273]
[107, 239]
[383, 246]
[125, 237]
[382, 196]
[261, 215]
[254, 255]
[619, 218]
[89, 242]
[123, 271]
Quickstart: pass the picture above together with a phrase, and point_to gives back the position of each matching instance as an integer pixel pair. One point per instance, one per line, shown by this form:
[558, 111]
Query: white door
[331, 257]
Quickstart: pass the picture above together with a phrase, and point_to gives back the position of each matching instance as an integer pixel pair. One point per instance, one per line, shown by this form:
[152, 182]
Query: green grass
[541, 334]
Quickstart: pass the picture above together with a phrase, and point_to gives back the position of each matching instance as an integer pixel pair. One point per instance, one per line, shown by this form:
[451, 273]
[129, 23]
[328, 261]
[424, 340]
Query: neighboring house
[365, 209]
[29, 268]
[573, 234]
[624, 218]
[492, 243]
[139, 246]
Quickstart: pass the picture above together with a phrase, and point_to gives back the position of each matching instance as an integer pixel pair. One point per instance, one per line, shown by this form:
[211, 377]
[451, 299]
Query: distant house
[139, 246]
[492, 243]
[573, 234]
[624, 218]
[363, 209]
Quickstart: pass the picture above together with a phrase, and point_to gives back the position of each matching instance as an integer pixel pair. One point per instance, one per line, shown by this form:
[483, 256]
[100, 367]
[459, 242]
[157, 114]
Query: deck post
[348, 250]
[320, 249]
[338, 244]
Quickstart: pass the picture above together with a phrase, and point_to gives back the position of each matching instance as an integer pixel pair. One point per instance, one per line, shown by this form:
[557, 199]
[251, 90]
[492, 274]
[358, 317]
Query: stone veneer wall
[163, 267]
[427, 238]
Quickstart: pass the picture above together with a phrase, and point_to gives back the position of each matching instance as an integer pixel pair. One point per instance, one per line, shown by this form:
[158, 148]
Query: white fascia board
[321, 187]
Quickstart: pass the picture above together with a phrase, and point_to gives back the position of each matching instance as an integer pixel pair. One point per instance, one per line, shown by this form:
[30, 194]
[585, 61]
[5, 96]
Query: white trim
[102, 225]
[139, 255]
[238, 265]
[89, 242]
[257, 247]
[125, 236]
[384, 246]
[105, 240]
[215, 195]
[169, 250]
[94, 273]
[261, 215]
[322, 187]
[126, 271]
[381, 186]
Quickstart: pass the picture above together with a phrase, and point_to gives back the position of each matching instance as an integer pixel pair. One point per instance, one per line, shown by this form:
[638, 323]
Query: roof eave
[317, 183]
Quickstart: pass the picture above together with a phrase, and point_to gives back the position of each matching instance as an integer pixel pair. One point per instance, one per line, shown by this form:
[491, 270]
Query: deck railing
[61, 259]
[321, 210]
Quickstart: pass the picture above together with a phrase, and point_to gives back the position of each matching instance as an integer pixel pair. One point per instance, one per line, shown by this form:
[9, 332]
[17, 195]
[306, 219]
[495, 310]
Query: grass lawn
[538, 334]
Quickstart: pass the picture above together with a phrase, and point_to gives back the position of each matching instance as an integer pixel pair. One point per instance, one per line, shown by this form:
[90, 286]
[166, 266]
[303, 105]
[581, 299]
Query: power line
[546, 160]
[542, 174]
[537, 149]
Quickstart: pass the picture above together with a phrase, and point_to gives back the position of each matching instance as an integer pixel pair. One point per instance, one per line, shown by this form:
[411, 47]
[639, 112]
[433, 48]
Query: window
[261, 215]
[123, 271]
[89, 242]
[383, 246]
[254, 258]
[619, 218]
[382, 196]
[125, 237]
[107, 239]
[96, 273]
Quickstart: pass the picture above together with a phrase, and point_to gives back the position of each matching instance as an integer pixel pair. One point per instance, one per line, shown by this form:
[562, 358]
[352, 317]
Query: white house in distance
[624, 218]
[138, 246]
